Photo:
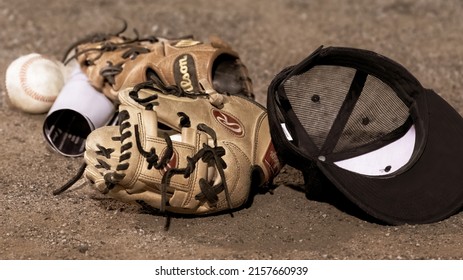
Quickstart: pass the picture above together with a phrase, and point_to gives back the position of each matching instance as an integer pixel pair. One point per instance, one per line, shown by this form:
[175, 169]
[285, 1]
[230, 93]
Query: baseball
[33, 82]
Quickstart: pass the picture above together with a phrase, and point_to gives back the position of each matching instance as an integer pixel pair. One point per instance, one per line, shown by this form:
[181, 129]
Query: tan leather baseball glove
[114, 62]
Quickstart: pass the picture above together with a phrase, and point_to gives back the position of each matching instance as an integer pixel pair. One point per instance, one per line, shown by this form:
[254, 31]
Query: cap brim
[430, 190]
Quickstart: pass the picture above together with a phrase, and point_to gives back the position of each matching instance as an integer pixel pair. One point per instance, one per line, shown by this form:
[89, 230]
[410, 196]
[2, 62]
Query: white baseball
[33, 82]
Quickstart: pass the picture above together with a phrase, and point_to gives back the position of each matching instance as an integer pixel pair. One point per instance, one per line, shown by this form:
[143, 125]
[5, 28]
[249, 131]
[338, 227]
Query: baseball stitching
[23, 82]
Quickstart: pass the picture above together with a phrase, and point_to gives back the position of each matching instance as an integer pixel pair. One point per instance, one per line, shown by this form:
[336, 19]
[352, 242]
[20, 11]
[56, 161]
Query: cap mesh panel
[316, 97]
[377, 112]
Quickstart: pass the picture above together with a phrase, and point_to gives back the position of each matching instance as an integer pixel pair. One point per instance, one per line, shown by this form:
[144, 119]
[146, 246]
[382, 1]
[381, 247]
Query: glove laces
[212, 155]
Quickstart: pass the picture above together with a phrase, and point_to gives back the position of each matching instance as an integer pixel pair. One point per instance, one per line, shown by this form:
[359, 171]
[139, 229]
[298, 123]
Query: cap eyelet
[365, 120]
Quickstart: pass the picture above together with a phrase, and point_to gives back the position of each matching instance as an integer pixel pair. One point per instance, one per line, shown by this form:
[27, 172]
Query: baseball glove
[114, 62]
[182, 153]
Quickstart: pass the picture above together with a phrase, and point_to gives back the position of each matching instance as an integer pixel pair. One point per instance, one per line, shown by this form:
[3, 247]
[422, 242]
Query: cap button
[315, 98]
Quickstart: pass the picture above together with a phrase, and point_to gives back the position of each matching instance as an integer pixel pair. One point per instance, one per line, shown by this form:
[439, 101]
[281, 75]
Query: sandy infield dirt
[424, 36]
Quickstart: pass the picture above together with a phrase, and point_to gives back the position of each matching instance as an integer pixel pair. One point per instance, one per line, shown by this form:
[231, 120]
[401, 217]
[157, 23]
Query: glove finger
[101, 155]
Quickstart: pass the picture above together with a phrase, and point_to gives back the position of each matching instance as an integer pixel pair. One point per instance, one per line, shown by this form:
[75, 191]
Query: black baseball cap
[361, 120]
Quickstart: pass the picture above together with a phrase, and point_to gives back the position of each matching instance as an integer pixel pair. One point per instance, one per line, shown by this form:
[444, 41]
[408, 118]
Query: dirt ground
[425, 36]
